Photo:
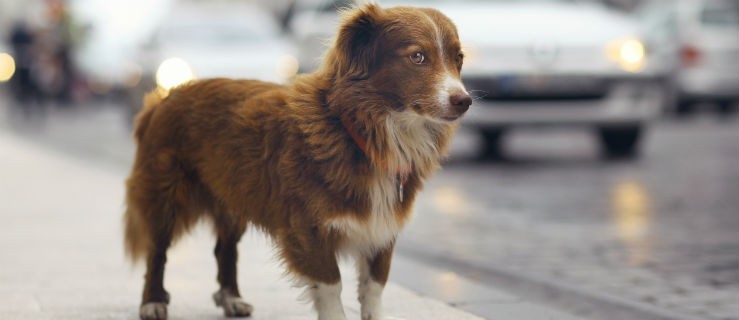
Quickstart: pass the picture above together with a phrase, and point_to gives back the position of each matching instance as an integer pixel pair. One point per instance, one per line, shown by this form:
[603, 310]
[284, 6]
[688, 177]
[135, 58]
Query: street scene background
[550, 209]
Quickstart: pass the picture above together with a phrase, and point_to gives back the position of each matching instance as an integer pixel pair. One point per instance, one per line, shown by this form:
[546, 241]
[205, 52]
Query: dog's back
[175, 135]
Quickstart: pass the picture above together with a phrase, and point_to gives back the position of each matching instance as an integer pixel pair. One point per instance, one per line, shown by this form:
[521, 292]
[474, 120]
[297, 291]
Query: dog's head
[409, 57]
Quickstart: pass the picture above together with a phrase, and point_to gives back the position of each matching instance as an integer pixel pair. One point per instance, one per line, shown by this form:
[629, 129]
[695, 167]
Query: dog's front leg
[327, 300]
[373, 273]
[313, 262]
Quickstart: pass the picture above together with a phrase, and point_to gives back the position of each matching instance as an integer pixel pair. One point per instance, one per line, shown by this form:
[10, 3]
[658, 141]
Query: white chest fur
[410, 143]
[366, 236]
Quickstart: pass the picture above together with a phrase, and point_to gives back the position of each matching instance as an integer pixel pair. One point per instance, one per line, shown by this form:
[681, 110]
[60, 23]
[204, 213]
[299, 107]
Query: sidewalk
[61, 257]
[61, 253]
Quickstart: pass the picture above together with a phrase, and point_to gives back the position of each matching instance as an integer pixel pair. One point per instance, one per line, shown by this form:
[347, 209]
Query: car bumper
[709, 84]
[626, 103]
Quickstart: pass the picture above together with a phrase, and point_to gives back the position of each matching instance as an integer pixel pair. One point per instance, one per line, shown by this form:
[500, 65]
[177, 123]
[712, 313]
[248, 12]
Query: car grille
[538, 87]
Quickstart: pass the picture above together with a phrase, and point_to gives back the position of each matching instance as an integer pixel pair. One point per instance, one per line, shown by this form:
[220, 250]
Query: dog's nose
[460, 101]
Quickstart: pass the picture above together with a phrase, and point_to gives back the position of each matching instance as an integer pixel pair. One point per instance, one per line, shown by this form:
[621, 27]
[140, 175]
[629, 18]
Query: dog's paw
[377, 315]
[232, 306]
[153, 311]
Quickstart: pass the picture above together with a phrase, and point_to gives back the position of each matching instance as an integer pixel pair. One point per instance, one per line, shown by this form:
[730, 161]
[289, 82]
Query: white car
[200, 40]
[556, 63]
[313, 27]
[546, 62]
[697, 43]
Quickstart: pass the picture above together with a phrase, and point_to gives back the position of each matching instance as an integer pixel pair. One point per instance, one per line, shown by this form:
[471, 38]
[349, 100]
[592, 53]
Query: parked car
[697, 44]
[544, 62]
[313, 27]
[214, 40]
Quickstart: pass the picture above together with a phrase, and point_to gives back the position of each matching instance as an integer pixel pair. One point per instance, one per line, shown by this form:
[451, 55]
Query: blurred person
[55, 71]
[44, 68]
[58, 71]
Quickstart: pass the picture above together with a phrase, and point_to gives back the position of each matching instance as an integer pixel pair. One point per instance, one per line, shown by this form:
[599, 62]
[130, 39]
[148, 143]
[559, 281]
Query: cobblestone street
[660, 232]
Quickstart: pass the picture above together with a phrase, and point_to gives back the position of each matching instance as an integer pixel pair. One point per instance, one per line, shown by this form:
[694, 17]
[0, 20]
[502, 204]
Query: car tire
[492, 144]
[727, 107]
[684, 107]
[620, 142]
[670, 98]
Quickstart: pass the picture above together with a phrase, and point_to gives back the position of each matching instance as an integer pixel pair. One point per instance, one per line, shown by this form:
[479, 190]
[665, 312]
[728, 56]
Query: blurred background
[598, 167]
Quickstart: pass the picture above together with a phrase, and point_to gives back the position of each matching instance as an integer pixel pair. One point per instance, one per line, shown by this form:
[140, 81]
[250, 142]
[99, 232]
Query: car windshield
[724, 14]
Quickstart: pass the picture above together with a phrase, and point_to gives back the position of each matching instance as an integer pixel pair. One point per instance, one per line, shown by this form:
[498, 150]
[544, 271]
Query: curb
[585, 303]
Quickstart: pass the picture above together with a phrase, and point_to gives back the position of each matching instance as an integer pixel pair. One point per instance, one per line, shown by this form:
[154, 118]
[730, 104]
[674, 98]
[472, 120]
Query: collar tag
[402, 180]
[402, 174]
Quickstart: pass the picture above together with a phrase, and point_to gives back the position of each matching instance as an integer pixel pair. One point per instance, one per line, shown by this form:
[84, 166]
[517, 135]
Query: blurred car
[540, 62]
[203, 40]
[313, 27]
[697, 45]
[556, 63]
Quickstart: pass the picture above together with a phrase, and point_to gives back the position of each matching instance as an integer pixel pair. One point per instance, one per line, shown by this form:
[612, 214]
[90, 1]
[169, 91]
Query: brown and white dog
[328, 166]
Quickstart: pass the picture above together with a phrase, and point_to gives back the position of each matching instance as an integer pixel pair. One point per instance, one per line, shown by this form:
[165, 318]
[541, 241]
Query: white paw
[331, 315]
[153, 311]
[372, 311]
[377, 315]
[327, 301]
[370, 297]
[232, 306]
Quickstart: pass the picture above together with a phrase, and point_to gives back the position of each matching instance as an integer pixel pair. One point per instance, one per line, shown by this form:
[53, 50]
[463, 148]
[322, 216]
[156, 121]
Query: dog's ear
[356, 42]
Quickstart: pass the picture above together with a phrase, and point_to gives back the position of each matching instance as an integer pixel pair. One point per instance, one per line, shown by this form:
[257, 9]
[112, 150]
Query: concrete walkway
[61, 253]
[61, 257]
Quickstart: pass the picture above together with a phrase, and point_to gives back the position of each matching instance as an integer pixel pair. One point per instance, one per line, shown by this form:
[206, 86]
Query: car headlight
[287, 67]
[629, 53]
[173, 72]
[471, 55]
[7, 67]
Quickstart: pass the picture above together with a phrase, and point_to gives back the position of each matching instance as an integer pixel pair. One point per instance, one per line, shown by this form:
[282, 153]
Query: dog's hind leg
[226, 252]
[155, 298]
[166, 219]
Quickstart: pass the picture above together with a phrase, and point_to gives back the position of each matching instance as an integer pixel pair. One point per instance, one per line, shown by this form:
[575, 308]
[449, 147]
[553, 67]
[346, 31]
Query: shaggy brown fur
[278, 157]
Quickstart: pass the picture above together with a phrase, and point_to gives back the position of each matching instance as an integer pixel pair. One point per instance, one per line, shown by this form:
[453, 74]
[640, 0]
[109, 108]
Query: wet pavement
[661, 231]
[555, 221]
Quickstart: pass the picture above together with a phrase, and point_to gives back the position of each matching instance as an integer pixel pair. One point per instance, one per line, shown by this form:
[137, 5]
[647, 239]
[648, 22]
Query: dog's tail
[151, 100]
[137, 236]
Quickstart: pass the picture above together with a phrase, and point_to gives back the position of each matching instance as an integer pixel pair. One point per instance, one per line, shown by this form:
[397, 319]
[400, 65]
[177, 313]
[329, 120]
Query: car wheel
[727, 107]
[670, 97]
[620, 142]
[492, 148]
[684, 107]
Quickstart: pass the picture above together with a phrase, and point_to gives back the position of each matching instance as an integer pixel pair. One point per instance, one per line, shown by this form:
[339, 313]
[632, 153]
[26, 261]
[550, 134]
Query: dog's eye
[418, 58]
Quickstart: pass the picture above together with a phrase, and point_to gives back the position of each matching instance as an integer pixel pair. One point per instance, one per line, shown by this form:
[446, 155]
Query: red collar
[355, 136]
[362, 143]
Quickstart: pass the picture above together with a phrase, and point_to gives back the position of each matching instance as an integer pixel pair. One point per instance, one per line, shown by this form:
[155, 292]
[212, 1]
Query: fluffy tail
[137, 236]
[151, 100]
[138, 239]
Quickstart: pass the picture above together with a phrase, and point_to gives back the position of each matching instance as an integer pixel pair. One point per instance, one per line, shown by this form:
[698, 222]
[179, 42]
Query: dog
[328, 166]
